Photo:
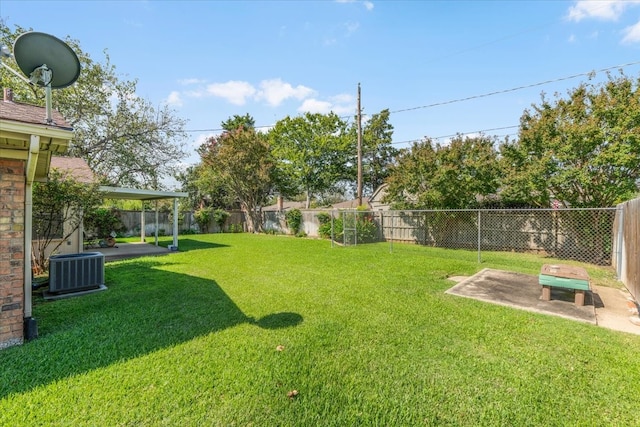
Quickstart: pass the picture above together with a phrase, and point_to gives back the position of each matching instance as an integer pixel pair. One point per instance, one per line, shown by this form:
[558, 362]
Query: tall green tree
[378, 153]
[582, 150]
[312, 154]
[435, 176]
[241, 160]
[125, 139]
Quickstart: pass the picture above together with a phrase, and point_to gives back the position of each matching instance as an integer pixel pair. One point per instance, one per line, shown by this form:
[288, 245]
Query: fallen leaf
[280, 348]
[292, 394]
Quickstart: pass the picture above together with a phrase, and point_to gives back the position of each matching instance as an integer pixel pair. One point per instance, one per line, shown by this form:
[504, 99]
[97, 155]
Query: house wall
[12, 192]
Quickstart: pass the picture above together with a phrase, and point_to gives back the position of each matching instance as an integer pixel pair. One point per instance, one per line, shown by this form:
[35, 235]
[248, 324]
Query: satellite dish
[34, 50]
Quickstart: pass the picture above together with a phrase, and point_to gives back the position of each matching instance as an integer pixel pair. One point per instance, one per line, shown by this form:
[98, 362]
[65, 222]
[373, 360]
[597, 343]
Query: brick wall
[12, 191]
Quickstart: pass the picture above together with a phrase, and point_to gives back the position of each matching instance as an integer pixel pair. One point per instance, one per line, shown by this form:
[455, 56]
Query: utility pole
[359, 150]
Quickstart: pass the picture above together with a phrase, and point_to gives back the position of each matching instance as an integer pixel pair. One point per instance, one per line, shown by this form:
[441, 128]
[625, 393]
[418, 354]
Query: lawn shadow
[144, 310]
[278, 320]
[188, 244]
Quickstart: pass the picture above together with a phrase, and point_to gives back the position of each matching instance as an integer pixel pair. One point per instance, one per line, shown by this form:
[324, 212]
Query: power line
[498, 92]
[469, 98]
[460, 133]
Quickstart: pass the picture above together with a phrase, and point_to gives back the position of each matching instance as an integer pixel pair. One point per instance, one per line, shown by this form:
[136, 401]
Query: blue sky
[212, 59]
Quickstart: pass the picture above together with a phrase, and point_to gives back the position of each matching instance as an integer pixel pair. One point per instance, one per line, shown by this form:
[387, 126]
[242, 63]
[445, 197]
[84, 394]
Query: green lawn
[368, 338]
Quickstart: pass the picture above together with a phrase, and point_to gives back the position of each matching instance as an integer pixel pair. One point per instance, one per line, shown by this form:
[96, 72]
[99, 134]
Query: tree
[59, 206]
[240, 159]
[123, 138]
[377, 152]
[435, 176]
[245, 122]
[311, 154]
[204, 187]
[582, 150]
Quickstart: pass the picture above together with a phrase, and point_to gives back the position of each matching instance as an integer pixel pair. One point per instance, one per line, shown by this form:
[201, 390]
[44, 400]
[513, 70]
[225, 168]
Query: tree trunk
[253, 218]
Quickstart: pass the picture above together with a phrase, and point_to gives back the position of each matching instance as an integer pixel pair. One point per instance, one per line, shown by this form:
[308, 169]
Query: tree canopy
[582, 150]
[124, 139]
[240, 159]
[312, 154]
[377, 152]
[437, 176]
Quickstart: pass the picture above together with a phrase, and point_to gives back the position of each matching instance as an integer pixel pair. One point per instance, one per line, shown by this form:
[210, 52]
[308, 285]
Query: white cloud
[192, 81]
[174, 99]
[366, 3]
[329, 41]
[339, 104]
[572, 38]
[315, 106]
[606, 10]
[632, 34]
[201, 139]
[343, 98]
[234, 91]
[275, 91]
[351, 27]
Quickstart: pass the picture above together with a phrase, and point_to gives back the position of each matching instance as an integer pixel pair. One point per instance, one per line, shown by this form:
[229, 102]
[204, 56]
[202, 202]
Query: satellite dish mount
[47, 61]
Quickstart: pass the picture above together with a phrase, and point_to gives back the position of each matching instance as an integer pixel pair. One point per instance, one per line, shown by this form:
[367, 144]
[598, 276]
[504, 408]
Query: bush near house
[294, 220]
[103, 221]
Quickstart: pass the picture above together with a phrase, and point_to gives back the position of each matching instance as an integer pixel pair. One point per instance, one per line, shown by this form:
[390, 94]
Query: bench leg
[579, 298]
[546, 293]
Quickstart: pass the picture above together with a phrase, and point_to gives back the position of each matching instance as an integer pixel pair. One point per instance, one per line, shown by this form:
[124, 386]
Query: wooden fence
[626, 249]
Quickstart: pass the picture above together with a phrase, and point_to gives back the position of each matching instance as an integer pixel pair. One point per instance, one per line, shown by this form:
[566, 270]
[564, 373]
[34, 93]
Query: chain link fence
[573, 234]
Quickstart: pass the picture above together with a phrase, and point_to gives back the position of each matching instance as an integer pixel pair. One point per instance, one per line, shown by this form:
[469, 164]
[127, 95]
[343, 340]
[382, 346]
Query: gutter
[30, 325]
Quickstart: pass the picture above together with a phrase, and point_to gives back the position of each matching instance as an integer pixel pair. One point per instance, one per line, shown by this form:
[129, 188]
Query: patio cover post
[142, 225]
[175, 222]
[156, 227]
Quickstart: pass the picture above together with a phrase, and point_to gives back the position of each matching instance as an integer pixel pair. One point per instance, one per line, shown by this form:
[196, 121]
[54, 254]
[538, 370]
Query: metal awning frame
[147, 195]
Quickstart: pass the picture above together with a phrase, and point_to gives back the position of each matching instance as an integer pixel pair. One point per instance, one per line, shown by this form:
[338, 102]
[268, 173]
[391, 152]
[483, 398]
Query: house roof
[25, 135]
[351, 204]
[286, 205]
[75, 166]
[31, 114]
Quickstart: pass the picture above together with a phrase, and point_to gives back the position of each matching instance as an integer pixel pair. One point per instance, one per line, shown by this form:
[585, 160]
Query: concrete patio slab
[131, 250]
[606, 307]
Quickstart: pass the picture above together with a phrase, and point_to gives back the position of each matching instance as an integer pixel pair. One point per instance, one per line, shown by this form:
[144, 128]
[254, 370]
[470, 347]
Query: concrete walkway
[606, 307]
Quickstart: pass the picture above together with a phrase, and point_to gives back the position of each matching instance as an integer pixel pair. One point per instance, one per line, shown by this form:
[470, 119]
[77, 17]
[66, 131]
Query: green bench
[564, 276]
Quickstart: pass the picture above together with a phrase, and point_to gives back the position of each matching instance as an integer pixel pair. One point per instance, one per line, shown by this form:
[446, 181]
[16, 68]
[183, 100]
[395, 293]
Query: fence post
[391, 232]
[332, 233]
[479, 236]
[620, 237]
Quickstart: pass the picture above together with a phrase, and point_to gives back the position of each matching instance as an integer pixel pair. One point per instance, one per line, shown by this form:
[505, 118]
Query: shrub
[203, 217]
[324, 230]
[294, 220]
[236, 228]
[103, 221]
[220, 218]
[366, 227]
